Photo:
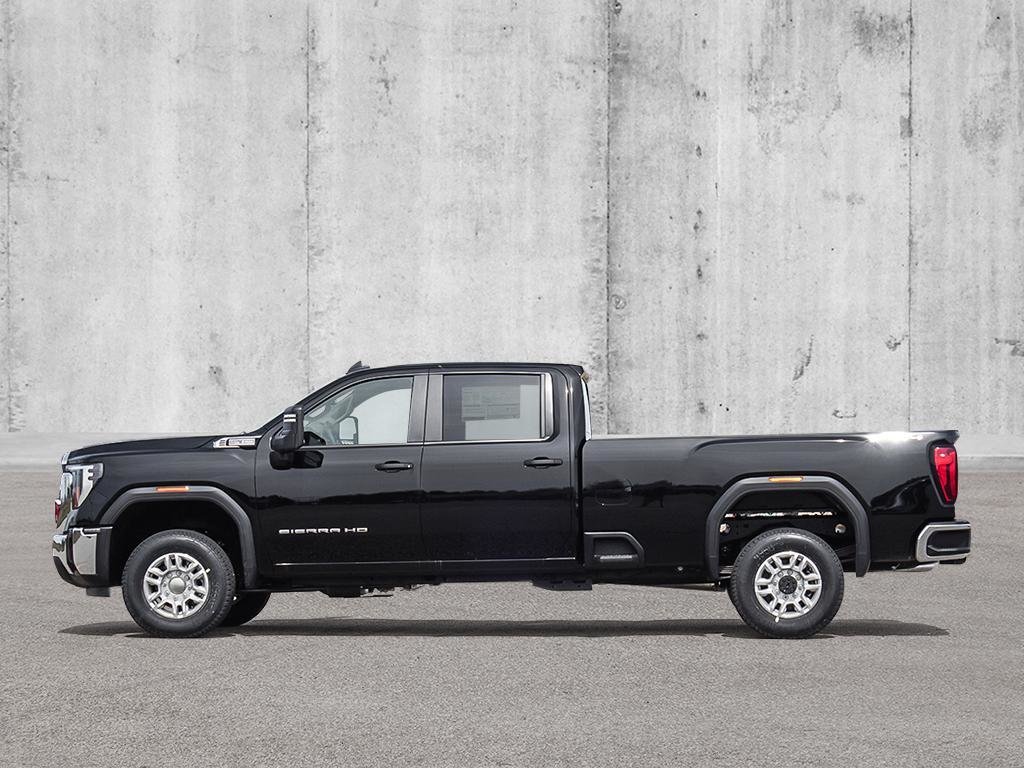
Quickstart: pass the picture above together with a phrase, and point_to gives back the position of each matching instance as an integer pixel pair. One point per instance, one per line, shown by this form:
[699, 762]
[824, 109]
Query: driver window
[371, 413]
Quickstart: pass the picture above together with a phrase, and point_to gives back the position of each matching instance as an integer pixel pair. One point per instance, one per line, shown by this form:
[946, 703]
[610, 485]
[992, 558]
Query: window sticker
[490, 402]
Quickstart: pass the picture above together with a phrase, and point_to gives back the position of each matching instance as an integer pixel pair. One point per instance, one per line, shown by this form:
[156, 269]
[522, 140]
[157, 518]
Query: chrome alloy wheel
[176, 585]
[787, 585]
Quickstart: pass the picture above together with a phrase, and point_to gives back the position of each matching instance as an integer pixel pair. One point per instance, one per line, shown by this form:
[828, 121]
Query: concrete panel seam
[309, 38]
[910, 212]
[609, 397]
[8, 135]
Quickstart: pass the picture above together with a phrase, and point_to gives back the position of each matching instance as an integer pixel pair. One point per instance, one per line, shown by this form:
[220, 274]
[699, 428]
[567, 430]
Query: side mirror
[290, 437]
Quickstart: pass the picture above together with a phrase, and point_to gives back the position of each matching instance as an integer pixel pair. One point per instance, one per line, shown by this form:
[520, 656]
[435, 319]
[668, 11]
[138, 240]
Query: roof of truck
[362, 370]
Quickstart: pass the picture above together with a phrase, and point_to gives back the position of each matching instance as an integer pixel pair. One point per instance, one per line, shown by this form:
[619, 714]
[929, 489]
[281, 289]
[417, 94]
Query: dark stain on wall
[983, 122]
[906, 127]
[1016, 346]
[893, 343]
[777, 88]
[880, 35]
[986, 120]
[804, 360]
[217, 374]
[385, 78]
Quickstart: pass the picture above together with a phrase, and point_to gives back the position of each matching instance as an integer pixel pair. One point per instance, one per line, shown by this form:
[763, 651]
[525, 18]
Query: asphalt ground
[916, 670]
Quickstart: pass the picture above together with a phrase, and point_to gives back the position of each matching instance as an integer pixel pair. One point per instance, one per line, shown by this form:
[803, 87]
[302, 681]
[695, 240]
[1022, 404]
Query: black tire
[247, 607]
[212, 561]
[756, 611]
[728, 591]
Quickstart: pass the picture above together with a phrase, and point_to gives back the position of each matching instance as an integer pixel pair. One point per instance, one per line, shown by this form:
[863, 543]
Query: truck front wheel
[787, 583]
[178, 583]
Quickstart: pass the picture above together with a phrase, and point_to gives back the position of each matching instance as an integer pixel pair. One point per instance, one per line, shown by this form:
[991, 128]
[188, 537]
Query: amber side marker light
[171, 488]
[786, 479]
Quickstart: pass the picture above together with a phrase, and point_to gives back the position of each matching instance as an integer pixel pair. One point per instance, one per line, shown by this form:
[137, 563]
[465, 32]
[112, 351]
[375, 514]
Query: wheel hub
[787, 585]
[176, 585]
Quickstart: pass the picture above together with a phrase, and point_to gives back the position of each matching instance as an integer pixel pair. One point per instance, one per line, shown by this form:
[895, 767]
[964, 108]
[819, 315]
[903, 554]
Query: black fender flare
[246, 540]
[828, 485]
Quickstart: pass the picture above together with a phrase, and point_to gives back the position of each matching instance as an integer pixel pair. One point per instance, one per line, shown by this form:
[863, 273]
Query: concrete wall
[739, 216]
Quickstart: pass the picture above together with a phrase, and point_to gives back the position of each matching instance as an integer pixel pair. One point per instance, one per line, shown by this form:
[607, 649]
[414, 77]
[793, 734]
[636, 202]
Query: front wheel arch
[194, 493]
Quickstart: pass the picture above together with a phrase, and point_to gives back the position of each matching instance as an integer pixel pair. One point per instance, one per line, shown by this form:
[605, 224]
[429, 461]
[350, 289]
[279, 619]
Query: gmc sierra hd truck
[395, 477]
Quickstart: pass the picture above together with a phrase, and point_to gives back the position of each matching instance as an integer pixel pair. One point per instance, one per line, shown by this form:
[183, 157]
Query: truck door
[496, 477]
[352, 495]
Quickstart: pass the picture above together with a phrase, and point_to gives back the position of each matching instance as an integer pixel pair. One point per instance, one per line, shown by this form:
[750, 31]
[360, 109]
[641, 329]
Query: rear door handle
[393, 466]
[542, 461]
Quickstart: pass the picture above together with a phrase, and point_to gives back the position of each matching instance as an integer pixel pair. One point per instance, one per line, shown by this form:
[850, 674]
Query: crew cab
[395, 477]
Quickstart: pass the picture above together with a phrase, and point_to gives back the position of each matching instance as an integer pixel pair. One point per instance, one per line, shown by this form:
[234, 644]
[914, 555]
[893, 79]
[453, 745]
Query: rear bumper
[943, 542]
[81, 556]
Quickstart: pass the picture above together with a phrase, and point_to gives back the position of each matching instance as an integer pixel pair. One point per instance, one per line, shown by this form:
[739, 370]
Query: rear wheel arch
[167, 510]
[829, 486]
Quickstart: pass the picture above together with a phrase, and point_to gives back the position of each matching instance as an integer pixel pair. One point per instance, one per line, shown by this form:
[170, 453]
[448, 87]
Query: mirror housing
[290, 437]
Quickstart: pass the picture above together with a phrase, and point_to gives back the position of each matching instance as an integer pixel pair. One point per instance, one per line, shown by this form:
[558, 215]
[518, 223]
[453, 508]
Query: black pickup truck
[395, 477]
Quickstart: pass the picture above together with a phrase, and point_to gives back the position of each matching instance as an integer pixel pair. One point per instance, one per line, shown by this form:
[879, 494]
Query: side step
[564, 585]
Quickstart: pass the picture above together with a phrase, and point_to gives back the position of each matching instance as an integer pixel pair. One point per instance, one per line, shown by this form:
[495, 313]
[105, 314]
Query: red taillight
[944, 461]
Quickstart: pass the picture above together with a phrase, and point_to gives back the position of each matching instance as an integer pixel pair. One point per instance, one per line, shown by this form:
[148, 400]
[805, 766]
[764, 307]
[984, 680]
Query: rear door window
[492, 407]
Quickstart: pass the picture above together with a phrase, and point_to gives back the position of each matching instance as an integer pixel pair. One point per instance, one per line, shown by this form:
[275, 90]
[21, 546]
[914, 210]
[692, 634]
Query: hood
[149, 445]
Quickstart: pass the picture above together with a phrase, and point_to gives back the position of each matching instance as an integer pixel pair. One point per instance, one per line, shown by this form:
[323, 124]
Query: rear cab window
[494, 407]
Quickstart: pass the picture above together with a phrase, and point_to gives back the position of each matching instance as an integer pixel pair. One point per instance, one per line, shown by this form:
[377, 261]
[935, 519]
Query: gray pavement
[917, 669]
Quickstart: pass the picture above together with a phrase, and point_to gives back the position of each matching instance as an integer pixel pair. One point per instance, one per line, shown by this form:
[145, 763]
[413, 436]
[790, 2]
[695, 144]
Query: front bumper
[81, 555]
[944, 542]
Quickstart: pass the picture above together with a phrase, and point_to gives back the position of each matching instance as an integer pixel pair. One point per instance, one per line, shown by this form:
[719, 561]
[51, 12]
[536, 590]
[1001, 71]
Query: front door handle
[393, 466]
[542, 462]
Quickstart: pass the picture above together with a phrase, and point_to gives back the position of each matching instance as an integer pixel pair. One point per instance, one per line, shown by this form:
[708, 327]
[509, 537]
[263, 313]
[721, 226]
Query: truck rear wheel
[247, 606]
[787, 583]
[178, 583]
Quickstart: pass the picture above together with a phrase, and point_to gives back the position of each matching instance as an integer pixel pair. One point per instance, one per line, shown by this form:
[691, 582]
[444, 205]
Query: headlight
[83, 478]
